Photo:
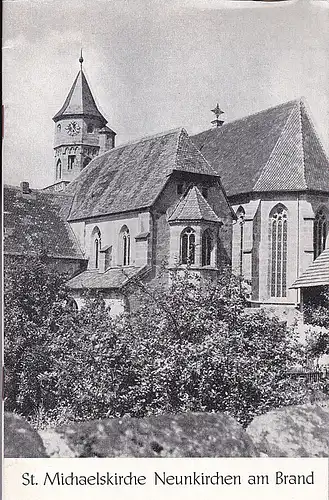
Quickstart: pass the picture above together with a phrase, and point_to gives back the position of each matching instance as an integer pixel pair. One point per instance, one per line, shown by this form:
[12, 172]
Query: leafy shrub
[186, 347]
[316, 315]
[316, 308]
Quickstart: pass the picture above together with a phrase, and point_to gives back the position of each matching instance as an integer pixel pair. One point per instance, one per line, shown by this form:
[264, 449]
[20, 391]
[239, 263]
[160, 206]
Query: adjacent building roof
[317, 274]
[132, 176]
[114, 278]
[193, 206]
[79, 101]
[36, 223]
[273, 150]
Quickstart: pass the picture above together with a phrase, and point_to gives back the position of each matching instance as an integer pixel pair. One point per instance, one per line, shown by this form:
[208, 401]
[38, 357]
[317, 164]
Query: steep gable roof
[132, 176]
[193, 206]
[317, 274]
[36, 222]
[273, 150]
[80, 100]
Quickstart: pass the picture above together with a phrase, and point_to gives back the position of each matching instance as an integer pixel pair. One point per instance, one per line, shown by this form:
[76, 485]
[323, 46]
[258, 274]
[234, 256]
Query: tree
[186, 347]
[316, 314]
[33, 296]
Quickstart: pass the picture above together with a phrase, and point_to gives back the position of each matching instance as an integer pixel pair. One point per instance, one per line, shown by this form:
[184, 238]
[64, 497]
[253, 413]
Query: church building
[252, 194]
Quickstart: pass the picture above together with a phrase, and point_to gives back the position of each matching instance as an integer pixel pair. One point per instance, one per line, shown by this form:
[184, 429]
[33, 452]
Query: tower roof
[274, 150]
[80, 101]
[193, 206]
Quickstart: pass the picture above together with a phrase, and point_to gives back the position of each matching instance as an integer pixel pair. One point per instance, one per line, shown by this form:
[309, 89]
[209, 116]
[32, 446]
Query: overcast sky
[154, 65]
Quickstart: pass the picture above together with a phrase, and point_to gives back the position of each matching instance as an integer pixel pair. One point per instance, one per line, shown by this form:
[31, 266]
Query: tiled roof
[80, 100]
[317, 274]
[273, 150]
[193, 206]
[36, 222]
[113, 278]
[132, 176]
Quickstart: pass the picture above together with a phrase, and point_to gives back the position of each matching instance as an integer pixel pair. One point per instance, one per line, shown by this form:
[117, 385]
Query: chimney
[25, 187]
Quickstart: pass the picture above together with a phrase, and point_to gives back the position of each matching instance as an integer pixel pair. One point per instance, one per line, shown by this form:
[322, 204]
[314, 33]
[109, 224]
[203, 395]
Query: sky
[156, 65]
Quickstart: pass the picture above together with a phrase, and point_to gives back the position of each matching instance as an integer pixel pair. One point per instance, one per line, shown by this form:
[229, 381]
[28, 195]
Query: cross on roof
[217, 111]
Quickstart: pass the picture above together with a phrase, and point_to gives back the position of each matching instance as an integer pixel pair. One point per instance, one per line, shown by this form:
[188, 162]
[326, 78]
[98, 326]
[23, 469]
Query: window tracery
[125, 245]
[188, 246]
[320, 230]
[278, 251]
[206, 247]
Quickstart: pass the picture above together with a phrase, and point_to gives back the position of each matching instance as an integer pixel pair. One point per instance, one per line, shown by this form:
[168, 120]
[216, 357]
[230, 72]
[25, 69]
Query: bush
[316, 314]
[316, 308]
[33, 296]
[186, 347]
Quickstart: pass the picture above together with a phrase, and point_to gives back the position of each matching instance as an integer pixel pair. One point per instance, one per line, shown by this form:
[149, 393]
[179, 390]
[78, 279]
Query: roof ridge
[276, 145]
[200, 205]
[247, 117]
[138, 141]
[197, 195]
[302, 136]
[178, 141]
[309, 116]
[204, 158]
[42, 191]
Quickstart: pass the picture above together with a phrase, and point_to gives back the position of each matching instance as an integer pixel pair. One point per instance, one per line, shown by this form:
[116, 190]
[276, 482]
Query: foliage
[316, 308]
[33, 295]
[316, 314]
[186, 347]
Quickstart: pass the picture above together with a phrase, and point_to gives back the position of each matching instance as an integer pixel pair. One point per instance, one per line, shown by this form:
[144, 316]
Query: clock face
[73, 128]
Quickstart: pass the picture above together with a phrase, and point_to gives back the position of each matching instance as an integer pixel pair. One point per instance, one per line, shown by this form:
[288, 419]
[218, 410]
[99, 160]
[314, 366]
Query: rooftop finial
[217, 111]
[81, 60]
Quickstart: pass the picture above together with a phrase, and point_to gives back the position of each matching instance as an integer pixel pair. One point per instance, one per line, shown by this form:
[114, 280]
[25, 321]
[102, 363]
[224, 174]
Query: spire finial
[81, 59]
[217, 111]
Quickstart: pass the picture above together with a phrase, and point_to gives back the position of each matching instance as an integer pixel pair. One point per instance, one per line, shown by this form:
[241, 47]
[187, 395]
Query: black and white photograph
[166, 230]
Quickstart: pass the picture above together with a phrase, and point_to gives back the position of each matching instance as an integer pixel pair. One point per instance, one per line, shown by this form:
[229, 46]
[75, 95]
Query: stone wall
[296, 431]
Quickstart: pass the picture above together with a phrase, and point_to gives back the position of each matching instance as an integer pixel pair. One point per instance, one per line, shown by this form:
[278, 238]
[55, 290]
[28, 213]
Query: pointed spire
[217, 111]
[81, 59]
[80, 100]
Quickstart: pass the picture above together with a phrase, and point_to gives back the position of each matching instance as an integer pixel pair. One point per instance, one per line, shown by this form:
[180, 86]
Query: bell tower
[81, 133]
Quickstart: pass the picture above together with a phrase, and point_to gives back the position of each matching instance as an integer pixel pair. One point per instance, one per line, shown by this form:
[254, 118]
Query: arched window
[240, 215]
[278, 251]
[59, 169]
[96, 243]
[96, 247]
[207, 245]
[320, 230]
[90, 128]
[59, 128]
[125, 246]
[188, 246]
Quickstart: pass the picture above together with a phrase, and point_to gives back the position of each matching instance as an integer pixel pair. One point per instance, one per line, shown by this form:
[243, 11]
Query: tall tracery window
[278, 251]
[240, 215]
[125, 245]
[188, 246]
[206, 247]
[320, 230]
[96, 247]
